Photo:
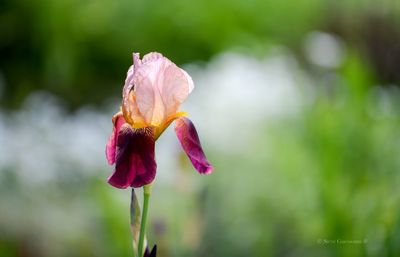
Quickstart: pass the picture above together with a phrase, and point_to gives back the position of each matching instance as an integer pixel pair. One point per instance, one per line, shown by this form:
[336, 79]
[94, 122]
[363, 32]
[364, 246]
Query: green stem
[146, 197]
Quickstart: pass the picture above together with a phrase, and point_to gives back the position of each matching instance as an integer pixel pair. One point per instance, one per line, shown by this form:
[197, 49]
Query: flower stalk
[142, 235]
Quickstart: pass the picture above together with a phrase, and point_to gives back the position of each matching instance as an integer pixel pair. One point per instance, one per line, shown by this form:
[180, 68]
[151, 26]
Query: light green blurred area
[323, 181]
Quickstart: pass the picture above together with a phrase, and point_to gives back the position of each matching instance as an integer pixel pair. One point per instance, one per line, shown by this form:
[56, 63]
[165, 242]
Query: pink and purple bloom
[153, 92]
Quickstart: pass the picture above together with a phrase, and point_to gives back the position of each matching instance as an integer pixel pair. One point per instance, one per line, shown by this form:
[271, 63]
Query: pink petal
[151, 57]
[160, 87]
[190, 142]
[128, 86]
[130, 74]
[118, 120]
[189, 81]
[132, 113]
[135, 164]
[129, 105]
[175, 88]
[136, 60]
[148, 100]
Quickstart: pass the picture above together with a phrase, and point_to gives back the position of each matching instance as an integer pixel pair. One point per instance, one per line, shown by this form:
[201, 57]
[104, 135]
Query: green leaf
[135, 220]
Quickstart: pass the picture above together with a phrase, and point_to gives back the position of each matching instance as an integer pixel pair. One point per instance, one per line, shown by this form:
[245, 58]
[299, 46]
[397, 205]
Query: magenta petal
[111, 146]
[190, 142]
[135, 164]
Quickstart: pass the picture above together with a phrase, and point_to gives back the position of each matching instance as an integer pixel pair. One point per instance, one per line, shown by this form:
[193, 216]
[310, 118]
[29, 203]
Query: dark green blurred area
[330, 173]
[80, 50]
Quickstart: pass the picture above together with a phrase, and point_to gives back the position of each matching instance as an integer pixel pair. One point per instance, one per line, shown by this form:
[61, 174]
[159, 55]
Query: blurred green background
[297, 104]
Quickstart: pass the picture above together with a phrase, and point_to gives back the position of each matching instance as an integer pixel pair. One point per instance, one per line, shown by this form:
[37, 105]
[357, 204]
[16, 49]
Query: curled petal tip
[204, 168]
[136, 59]
[209, 170]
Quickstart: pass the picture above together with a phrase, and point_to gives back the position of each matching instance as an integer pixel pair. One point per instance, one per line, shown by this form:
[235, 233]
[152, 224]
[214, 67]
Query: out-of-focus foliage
[79, 50]
[322, 180]
[327, 176]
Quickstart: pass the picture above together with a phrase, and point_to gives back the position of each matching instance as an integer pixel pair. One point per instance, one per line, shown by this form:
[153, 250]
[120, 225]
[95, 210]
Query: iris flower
[153, 92]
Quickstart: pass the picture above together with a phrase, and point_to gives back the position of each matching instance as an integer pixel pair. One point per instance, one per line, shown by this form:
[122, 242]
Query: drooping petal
[118, 120]
[146, 165]
[190, 142]
[135, 164]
